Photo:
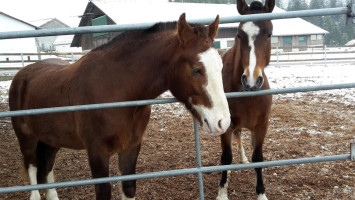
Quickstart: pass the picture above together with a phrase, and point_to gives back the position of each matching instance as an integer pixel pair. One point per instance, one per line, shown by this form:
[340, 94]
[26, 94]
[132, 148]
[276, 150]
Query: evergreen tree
[280, 4]
[297, 5]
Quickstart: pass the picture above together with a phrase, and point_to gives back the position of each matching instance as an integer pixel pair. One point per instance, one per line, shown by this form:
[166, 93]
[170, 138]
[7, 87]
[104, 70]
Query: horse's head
[255, 43]
[196, 78]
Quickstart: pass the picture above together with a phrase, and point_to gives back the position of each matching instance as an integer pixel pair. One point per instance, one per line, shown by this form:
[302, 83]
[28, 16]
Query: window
[274, 40]
[319, 37]
[313, 37]
[302, 40]
[97, 22]
[287, 41]
[230, 43]
[217, 44]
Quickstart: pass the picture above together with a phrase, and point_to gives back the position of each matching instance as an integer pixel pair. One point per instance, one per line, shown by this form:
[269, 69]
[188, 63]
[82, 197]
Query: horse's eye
[197, 71]
[269, 35]
[238, 35]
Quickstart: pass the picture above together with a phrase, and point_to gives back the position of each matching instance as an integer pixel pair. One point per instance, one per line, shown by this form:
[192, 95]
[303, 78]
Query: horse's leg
[241, 151]
[226, 159]
[257, 140]
[28, 146]
[99, 164]
[127, 165]
[45, 160]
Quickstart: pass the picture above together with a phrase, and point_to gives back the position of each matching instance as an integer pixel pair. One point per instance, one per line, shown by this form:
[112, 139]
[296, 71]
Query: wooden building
[45, 44]
[17, 45]
[287, 33]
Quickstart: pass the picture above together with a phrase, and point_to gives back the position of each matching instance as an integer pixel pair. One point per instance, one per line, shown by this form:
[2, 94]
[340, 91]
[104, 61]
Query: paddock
[170, 145]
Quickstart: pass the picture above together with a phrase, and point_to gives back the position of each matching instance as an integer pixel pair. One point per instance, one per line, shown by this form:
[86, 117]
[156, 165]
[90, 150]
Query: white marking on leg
[262, 197]
[241, 152]
[51, 193]
[223, 192]
[126, 198]
[32, 173]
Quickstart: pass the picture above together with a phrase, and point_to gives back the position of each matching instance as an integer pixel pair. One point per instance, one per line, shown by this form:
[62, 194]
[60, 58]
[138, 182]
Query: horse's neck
[143, 71]
[234, 68]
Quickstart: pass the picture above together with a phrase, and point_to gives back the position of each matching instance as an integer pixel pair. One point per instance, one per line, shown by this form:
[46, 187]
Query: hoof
[244, 162]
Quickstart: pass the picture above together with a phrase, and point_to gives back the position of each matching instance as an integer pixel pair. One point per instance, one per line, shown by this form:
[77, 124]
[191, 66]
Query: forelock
[256, 6]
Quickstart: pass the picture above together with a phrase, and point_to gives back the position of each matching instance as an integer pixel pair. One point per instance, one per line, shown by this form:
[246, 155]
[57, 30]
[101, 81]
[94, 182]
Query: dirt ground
[307, 126]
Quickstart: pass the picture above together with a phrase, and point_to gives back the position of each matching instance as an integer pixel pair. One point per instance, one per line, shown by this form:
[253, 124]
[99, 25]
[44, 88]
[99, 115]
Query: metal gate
[349, 11]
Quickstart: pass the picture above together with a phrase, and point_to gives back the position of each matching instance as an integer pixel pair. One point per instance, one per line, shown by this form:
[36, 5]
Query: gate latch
[352, 151]
[350, 17]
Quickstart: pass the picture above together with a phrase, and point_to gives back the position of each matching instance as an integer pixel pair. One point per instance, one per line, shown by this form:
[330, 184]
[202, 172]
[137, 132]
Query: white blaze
[219, 112]
[252, 31]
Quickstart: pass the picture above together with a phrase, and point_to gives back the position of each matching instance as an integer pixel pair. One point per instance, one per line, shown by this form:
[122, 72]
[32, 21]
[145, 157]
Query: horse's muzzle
[255, 87]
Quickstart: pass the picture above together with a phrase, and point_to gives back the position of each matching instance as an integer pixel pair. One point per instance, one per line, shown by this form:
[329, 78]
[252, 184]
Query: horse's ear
[184, 29]
[213, 28]
[242, 7]
[269, 6]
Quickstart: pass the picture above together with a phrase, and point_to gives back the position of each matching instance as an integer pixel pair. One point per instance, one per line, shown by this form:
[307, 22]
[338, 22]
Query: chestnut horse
[243, 70]
[135, 65]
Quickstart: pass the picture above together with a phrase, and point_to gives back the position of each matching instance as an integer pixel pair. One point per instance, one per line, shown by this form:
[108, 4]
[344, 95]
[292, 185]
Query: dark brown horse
[136, 65]
[243, 70]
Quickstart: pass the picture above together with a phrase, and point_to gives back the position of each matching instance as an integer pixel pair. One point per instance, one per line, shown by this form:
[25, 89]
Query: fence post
[325, 54]
[352, 151]
[72, 56]
[198, 158]
[277, 55]
[23, 63]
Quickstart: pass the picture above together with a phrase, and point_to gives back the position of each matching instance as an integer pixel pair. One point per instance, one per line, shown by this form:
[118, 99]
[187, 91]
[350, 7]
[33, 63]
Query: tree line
[339, 33]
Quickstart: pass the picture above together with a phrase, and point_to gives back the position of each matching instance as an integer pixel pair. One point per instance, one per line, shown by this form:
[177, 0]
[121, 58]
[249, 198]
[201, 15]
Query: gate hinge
[350, 17]
[352, 151]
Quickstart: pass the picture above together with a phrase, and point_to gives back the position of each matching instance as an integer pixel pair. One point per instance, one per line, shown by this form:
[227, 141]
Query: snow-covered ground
[314, 75]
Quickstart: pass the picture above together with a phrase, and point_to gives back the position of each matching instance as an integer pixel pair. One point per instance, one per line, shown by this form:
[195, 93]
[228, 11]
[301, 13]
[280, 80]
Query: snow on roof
[40, 22]
[67, 11]
[350, 43]
[2, 13]
[142, 12]
[130, 13]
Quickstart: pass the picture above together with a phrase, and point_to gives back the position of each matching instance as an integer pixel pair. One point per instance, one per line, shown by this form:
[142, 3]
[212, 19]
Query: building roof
[2, 13]
[350, 43]
[44, 22]
[143, 12]
[288, 27]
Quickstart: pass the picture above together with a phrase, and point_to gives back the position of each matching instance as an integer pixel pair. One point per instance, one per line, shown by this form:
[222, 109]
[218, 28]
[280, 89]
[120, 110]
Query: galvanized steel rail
[168, 100]
[199, 170]
[178, 172]
[125, 27]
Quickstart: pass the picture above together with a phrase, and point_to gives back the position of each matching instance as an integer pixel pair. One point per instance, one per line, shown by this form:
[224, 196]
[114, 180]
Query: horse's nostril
[220, 124]
[244, 79]
[259, 81]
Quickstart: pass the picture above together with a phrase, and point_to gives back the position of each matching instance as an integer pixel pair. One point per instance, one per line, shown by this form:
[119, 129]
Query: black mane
[256, 6]
[156, 28]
